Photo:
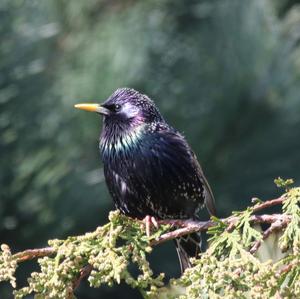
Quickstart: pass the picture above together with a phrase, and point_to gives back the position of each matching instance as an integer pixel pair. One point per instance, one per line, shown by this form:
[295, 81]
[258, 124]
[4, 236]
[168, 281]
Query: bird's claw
[148, 222]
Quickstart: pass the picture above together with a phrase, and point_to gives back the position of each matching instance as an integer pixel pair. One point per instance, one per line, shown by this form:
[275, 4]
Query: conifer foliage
[240, 260]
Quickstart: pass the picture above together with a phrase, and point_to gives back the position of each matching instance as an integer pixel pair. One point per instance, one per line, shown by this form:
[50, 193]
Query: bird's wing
[209, 197]
[208, 194]
[173, 142]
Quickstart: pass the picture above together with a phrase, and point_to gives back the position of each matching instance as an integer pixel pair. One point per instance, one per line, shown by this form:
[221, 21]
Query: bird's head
[126, 107]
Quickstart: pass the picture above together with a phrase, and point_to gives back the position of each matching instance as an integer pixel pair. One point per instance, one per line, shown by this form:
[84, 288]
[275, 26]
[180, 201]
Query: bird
[150, 170]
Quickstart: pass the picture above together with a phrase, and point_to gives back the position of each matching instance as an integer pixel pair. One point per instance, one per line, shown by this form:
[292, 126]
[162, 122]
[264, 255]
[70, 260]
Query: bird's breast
[113, 143]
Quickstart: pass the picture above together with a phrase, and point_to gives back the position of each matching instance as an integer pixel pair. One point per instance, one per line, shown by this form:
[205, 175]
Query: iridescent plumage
[149, 167]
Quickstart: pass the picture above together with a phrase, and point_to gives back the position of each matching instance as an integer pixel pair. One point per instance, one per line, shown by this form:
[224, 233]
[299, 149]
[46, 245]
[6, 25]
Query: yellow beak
[93, 108]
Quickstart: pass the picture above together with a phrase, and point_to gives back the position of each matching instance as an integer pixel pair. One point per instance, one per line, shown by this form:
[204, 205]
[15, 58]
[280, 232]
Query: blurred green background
[225, 73]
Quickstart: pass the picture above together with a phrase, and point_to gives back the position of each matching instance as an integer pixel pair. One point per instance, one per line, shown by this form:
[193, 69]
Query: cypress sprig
[229, 267]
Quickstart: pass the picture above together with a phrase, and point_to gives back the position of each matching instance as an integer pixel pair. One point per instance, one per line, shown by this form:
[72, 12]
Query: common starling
[150, 169]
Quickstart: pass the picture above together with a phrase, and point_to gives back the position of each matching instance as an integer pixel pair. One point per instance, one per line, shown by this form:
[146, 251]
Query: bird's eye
[117, 107]
[113, 107]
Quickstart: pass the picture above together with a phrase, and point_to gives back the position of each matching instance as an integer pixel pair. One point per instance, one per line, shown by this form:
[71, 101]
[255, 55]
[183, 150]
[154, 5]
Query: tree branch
[277, 225]
[277, 221]
[84, 272]
[182, 227]
[30, 254]
[189, 226]
[269, 203]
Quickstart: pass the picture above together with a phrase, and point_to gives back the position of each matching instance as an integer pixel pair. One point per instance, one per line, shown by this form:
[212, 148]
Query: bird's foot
[148, 222]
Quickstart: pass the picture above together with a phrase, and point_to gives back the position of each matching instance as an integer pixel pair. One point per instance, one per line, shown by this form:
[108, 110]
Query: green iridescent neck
[122, 141]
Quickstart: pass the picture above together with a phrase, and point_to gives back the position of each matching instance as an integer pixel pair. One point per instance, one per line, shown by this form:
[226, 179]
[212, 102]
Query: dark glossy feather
[158, 175]
[150, 168]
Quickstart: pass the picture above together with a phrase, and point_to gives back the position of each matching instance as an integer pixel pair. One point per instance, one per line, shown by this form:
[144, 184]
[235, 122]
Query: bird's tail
[187, 246]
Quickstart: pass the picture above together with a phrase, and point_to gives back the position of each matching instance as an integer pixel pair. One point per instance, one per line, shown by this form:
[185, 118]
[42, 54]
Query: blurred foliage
[226, 270]
[226, 73]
